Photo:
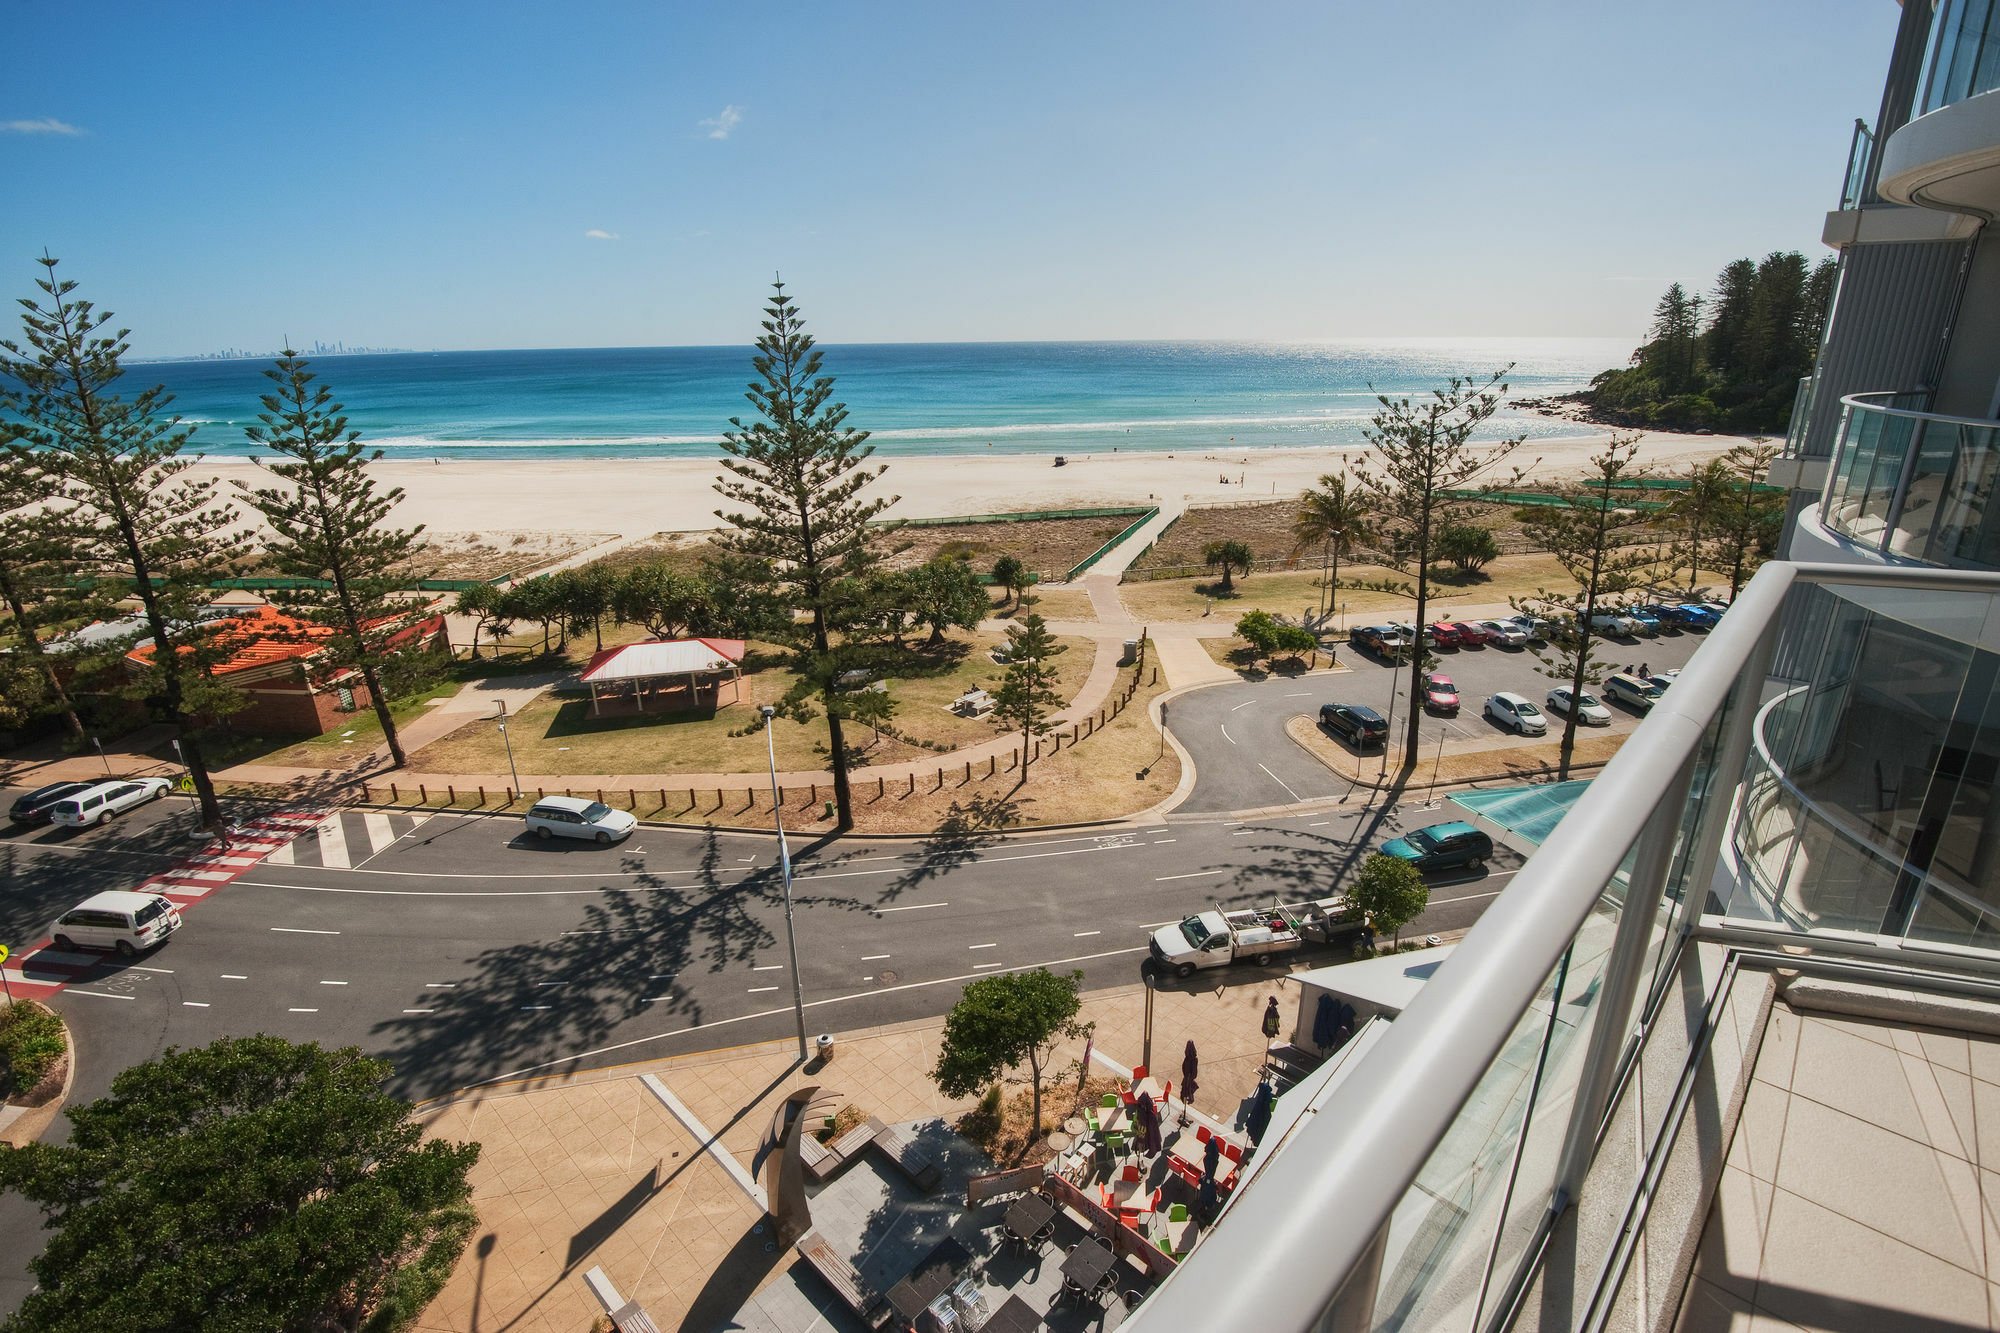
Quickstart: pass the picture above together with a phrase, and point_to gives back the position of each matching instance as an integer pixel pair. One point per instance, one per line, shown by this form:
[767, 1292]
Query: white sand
[636, 497]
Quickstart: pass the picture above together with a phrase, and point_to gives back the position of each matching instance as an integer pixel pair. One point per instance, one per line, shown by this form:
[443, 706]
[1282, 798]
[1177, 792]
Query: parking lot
[1244, 760]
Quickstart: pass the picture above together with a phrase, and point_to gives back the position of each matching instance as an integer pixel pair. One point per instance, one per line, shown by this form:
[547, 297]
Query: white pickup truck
[1255, 935]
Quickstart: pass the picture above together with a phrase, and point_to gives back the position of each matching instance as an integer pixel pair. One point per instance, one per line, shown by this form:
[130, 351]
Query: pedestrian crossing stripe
[346, 837]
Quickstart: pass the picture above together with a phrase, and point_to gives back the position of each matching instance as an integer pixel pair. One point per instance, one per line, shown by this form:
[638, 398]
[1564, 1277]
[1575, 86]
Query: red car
[1444, 634]
[1470, 635]
[1440, 695]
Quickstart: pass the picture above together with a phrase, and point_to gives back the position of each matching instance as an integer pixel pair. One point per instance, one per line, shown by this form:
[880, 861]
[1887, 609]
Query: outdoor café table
[1060, 1142]
[1088, 1264]
[1076, 1127]
[929, 1279]
[1149, 1084]
[1114, 1120]
[1130, 1194]
[1016, 1316]
[1027, 1215]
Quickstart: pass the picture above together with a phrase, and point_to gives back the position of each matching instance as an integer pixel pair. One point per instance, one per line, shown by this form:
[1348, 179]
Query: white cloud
[598, 235]
[720, 125]
[46, 125]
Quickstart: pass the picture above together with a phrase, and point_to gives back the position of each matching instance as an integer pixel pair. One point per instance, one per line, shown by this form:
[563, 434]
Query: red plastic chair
[1125, 1096]
[1201, 1134]
[1131, 1172]
[1138, 1072]
[1165, 1093]
[1232, 1152]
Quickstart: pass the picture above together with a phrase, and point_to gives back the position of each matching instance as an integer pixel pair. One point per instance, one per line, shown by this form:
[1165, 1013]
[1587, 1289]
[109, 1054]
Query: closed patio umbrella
[1260, 1113]
[1325, 1019]
[1190, 1066]
[1149, 1121]
[1211, 1154]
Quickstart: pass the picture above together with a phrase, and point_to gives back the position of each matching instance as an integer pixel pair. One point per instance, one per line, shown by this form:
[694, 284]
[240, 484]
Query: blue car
[1690, 616]
[1443, 847]
[1645, 619]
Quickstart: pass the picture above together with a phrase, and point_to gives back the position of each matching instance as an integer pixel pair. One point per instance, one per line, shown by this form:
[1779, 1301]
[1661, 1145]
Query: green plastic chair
[1090, 1118]
[1115, 1141]
[1177, 1212]
[1165, 1248]
[1110, 1100]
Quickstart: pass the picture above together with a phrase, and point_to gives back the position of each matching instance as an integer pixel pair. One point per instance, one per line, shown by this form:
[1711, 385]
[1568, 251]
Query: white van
[127, 922]
[574, 817]
[96, 805]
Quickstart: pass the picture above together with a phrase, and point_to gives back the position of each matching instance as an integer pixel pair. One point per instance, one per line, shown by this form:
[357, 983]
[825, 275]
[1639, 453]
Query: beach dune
[636, 497]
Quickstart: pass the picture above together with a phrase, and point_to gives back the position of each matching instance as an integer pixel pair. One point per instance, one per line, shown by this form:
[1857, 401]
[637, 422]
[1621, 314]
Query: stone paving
[594, 1170]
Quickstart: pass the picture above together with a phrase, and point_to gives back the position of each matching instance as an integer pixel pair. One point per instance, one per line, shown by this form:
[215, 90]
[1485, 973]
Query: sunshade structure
[1525, 815]
[665, 675]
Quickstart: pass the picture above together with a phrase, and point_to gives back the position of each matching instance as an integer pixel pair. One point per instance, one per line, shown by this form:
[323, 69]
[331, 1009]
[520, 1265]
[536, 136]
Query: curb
[1384, 784]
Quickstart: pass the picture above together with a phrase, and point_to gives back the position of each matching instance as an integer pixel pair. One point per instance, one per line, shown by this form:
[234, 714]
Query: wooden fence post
[423, 795]
[881, 788]
[450, 795]
[482, 798]
[913, 784]
[968, 771]
[663, 800]
[632, 799]
[940, 779]
[781, 795]
[718, 800]
[991, 760]
[395, 797]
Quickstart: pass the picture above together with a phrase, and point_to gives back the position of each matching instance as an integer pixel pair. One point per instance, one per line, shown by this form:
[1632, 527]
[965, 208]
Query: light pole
[785, 864]
[512, 772]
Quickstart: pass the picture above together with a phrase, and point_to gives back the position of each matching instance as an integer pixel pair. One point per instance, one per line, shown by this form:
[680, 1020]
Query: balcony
[1948, 157]
[1562, 1131]
[1914, 486]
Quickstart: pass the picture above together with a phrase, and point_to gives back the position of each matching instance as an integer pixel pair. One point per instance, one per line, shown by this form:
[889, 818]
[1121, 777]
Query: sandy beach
[636, 497]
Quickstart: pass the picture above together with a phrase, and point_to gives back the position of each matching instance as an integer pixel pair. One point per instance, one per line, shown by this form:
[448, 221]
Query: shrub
[31, 1042]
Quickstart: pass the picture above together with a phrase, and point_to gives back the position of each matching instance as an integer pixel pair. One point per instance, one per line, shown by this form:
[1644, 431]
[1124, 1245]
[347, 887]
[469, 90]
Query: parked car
[1440, 695]
[1357, 724]
[1470, 635]
[1644, 623]
[1382, 640]
[1715, 609]
[1536, 628]
[38, 806]
[1588, 710]
[1625, 688]
[1409, 633]
[97, 804]
[126, 922]
[1660, 680]
[1505, 633]
[1444, 634]
[1614, 622]
[574, 817]
[1688, 615]
[1661, 614]
[1516, 713]
[1443, 847]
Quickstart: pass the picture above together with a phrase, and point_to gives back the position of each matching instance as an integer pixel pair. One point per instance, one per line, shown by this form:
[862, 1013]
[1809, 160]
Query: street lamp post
[512, 772]
[785, 864]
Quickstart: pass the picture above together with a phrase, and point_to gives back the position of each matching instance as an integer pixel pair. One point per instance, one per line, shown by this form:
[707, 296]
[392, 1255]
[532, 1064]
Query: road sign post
[4, 985]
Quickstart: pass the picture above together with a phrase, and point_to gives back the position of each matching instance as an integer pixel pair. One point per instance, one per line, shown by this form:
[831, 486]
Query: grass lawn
[1290, 593]
[1053, 604]
[556, 734]
[1239, 655]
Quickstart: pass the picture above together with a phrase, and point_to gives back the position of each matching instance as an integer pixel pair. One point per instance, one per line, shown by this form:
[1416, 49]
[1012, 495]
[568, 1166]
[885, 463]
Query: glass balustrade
[1965, 53]
[1915, 485]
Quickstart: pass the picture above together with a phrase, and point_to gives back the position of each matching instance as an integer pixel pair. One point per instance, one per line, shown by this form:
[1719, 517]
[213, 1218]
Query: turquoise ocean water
[919, 398]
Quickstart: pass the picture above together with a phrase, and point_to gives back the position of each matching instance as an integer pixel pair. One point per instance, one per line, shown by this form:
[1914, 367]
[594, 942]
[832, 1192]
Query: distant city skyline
[633, 175]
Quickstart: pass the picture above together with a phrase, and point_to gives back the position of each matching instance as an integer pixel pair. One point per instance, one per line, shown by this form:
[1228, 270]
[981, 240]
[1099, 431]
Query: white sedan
[1515, 713]
[96, 805]
[1504, 632]
[1588, 710]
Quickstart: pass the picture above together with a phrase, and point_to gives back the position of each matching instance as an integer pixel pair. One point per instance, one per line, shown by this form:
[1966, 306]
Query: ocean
[914, 398]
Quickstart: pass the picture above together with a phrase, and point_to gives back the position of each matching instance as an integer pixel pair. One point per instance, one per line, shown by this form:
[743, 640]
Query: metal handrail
[1281, 1258]
[1860, 400]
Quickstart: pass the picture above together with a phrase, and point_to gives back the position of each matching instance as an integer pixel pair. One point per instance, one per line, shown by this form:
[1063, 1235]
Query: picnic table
[1088, 1265]
[1027, 1215]
[930, 1279]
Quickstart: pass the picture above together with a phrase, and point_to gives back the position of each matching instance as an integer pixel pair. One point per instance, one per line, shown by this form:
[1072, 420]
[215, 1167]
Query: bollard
[881, 788]
[991, 760]
[482, 798]
[510, 796]
[394, 797]
[632, 797]
[913, 784]
[423, 796]
[968, 770]
[600, 796]
[663, 800]
[718, 800]
[450, 795]
[781, 796]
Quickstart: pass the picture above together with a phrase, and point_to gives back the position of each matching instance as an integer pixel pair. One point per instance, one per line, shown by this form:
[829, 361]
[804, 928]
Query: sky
[432, 175]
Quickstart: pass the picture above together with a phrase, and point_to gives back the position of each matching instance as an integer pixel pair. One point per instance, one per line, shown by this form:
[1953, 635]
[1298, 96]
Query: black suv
[39, 805]
[1357, 724]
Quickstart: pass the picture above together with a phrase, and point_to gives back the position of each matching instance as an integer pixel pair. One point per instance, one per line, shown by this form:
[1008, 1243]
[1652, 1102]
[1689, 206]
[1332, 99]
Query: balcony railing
[1965, 54]
[1860, 156]
[1423, 1187]
[1914, 485]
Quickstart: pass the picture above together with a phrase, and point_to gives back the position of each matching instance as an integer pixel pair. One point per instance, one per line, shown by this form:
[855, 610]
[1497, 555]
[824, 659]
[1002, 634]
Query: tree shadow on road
[968, 828]
[535, 1008]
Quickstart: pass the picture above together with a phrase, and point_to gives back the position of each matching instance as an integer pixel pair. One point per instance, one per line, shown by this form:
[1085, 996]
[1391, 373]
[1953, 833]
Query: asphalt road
[1243, 759]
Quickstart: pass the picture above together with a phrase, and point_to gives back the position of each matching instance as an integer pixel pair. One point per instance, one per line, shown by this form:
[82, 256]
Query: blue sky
[429, 175]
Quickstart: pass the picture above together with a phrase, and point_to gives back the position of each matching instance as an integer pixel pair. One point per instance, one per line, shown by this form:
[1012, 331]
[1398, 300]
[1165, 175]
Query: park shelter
[665, 675]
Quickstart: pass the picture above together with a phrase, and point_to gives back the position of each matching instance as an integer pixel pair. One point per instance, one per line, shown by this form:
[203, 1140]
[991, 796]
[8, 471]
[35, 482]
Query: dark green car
[1443, 847]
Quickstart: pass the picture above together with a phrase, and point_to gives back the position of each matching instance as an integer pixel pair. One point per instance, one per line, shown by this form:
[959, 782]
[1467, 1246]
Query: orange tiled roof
[261, 637]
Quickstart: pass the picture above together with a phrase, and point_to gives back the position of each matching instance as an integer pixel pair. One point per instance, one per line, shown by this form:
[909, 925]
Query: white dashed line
[1197, 874]
[1322, 824]
[193, 1004]
[333, 983]
[300, 930]
[420, 1011]
[163, 971]
[1302, 694]
[758, 990]
[1226, 736]
[305, 1011]
[663, 976]
[918, 907]
[537, 1006]
[769, 967]
[552, 983]
[1081, 933]
[982, 946]
[873, 957]
[102, 995]
[1245, 704]
[234, 976]
[440, 985]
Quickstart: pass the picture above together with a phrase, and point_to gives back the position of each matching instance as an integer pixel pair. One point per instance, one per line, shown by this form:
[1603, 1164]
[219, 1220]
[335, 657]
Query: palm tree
[1332, 520]
[1230, 555]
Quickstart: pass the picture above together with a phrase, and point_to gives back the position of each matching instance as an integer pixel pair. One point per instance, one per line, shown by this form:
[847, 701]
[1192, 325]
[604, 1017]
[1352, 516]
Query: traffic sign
[3, 953]
[186, 783]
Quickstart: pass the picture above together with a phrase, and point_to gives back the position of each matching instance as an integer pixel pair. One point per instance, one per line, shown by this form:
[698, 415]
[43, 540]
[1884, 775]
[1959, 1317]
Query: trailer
[1215, 938]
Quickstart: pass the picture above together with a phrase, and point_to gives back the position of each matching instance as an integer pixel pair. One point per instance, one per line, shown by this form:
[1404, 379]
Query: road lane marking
[1282, 783]
[164, 971]
[871, 994]
[986, 965]
[769, 967]
[1194, 874]
[552, 983]
[651, 999]
[102, 995]
[1226, 736]
[538, 1006]
[305, 1011]
[1322, 824]
[1245, 704]
[380, 836]
[1081, 933]
[420, 1011]
[758, 990]
[333, 844]
[1246, 833]
[663, 976]
[1302, 694]
[333, 983]
[913, 907]
[234, 976]
[440, 985]
[193, 1004]
[301, 930]
[873, 957]
[982, 946]
[1164, 841]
